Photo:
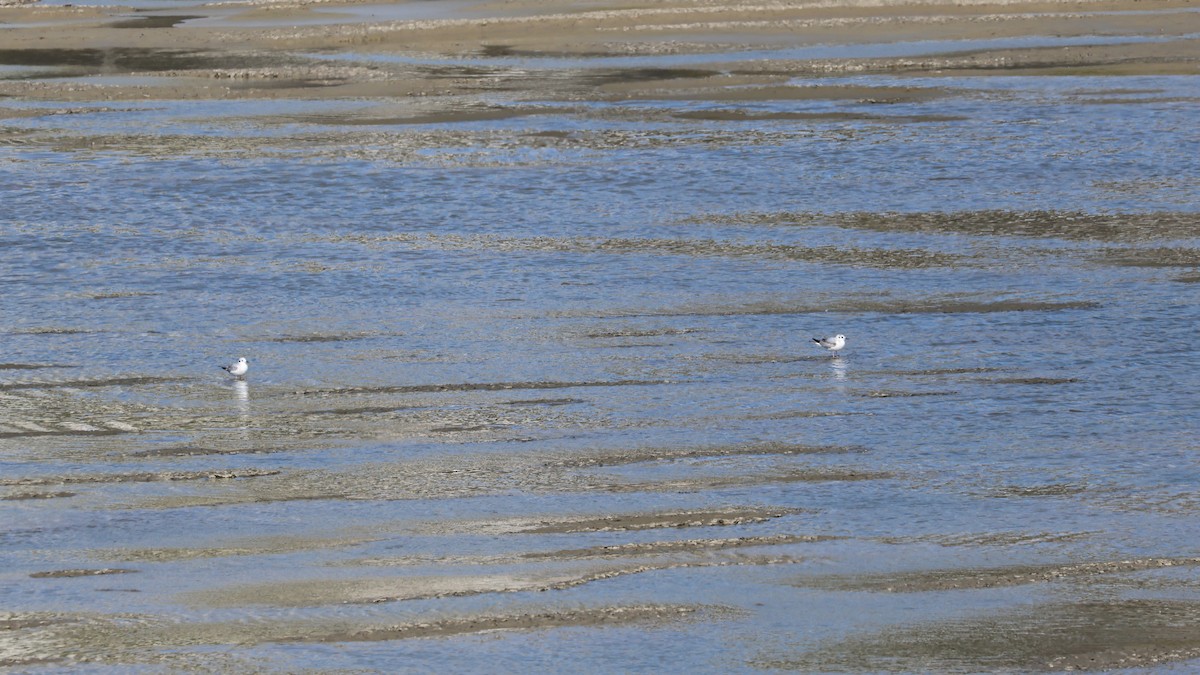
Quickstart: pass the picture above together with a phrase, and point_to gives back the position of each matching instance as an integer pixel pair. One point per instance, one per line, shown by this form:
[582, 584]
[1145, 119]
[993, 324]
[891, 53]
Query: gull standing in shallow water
[833, 344]
[238, 369]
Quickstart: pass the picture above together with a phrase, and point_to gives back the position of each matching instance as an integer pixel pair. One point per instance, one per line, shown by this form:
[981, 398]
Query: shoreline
[91, 54]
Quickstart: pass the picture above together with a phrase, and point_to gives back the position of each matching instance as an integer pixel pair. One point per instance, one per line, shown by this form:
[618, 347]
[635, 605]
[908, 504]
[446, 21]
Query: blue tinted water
[161, 240]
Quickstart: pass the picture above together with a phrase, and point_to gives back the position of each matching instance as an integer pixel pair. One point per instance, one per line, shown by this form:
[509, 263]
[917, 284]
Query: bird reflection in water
[838, 366]
[242, 391]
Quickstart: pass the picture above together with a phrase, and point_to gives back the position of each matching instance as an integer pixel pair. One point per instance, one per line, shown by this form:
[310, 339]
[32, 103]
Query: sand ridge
[229, 51]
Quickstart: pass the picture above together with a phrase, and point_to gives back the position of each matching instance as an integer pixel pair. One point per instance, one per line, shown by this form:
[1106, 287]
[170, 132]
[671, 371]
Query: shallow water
[820, 51]
[465, 337]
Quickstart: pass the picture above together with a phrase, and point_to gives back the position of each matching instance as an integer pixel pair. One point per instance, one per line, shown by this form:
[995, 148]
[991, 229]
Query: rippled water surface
[461, 332]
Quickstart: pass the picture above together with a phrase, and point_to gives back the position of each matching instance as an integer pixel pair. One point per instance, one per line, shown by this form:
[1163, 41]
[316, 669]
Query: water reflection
[242, 391]
[838, 366]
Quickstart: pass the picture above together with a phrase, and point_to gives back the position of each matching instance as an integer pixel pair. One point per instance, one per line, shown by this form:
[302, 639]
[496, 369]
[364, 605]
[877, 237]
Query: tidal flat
[528, 290]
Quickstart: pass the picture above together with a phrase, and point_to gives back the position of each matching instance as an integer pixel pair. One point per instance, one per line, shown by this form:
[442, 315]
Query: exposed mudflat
[376, 590]
[1091, 636]
[140, 477]
[131, 636]
[656, 520]
[1133, 227]
[64, 574]
[945, 580]
[529, 293]
[601, 616]
[665, 547]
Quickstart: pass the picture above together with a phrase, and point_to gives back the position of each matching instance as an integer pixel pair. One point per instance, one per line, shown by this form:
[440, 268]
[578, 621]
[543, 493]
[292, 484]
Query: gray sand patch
[247, 547]
[163, 642]
[447, 116]
[1048, 490]
[89, 384]
[545, 401]
[639, 333]
[67, 574]
[135, 59]
[854, 306]
[738, 115]
[21, 496]
[456, 428]
[855, 257]
[449, 477]
[675, 547]
[715, 92]
[989, 538]
[365, 410]
[593, 617]
[19, 622]
[937, 371]
[725, 482]
[640, 455]
[891, 393]
[478, 386]
[692, 549]
[1093, 636]
[646, 521]
[138, 477]
[1138, 58]
[84, 430]
[124, 639]
[1034, 380]
[978, 578]
[1139, 100]
[319, 592]
[200, 451]
[1154, 257]
[794, 415]
[1070, 225]
[756, 359]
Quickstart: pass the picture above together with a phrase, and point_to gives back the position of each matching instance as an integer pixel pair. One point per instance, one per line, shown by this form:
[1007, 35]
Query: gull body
[833, 344]
[238, 369]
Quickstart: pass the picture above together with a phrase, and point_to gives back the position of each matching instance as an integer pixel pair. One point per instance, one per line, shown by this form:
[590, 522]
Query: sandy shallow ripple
[528, 290]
